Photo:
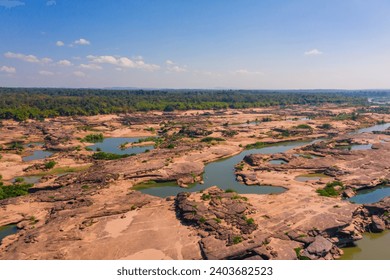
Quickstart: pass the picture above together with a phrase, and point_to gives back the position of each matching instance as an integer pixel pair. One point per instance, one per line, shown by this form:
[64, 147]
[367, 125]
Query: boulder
[320, 247]
[348, 193]
[377, 224]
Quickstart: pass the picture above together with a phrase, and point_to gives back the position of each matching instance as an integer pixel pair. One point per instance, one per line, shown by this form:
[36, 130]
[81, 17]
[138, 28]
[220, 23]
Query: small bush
[250, 221]
[304, 126]
[205, 197]
[330, 190]
[19, 180]
[326, 126]
[50, 164]
[93, 138]
[237, 239]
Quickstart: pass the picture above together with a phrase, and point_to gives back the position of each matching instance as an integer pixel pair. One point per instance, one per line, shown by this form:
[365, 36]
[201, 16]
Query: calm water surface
[7, 230]
[373, 246]
[39, 154]
[112, 145]
[221, 174]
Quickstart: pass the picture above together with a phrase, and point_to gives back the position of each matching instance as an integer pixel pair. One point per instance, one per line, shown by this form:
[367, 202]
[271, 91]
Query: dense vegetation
[17, 189]
[37, 103]
[330, 189]
[93, 138]
[109, 156]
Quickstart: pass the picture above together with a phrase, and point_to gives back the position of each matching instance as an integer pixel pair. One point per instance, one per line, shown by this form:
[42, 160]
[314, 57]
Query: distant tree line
[38, 103]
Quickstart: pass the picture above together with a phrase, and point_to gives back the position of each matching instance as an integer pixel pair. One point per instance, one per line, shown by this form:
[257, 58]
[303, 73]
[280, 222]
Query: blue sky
[262, 44]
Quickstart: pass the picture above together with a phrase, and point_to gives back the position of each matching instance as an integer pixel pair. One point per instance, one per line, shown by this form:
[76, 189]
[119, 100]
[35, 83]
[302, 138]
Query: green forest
[38, 103]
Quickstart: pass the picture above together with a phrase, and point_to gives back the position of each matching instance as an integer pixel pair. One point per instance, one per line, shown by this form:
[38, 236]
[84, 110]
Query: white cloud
[64, 63]
[51, 3]
[173, 67]
[59, 44]
[11, 3]
[247, 72]
[46, 73]
[28, 58]
[79, 74]
[46, 60]
[82, 42]
[313, 52]
[123, 62]
[8, 69]
[91, 66]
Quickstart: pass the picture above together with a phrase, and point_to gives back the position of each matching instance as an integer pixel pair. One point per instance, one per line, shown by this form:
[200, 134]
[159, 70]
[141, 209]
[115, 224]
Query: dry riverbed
[84, 207]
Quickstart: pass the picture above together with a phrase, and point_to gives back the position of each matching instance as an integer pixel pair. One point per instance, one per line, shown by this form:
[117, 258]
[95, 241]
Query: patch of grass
[88, 149]
[237, 239]
[240, 197]
[85, 187]
[330, 190]
[256, 145]
[151, 129]
[250, 221]
[33, 220]
[50, 164]
[240, 166]
[304, 126]
[171, 146]
[298, 253]
[19, 180]
[93, 138]
[205, 197]
[123, 146]
[217, 220]
[109, 156]
[211, 139]
[202, 220]
[326, 126]
[7, 191]
[230, 191]
[16, 146]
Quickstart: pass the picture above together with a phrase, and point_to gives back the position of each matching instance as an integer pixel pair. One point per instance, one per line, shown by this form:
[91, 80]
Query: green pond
[373, 246]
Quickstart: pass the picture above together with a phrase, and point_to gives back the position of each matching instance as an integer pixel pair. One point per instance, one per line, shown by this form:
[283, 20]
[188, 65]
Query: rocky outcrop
[216, 213]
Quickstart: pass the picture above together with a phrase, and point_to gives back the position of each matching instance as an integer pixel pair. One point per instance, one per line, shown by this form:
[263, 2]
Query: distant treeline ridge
[37, 103]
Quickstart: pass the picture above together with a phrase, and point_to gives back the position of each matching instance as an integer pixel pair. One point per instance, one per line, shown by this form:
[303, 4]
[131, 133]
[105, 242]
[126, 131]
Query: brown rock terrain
[92, 213]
